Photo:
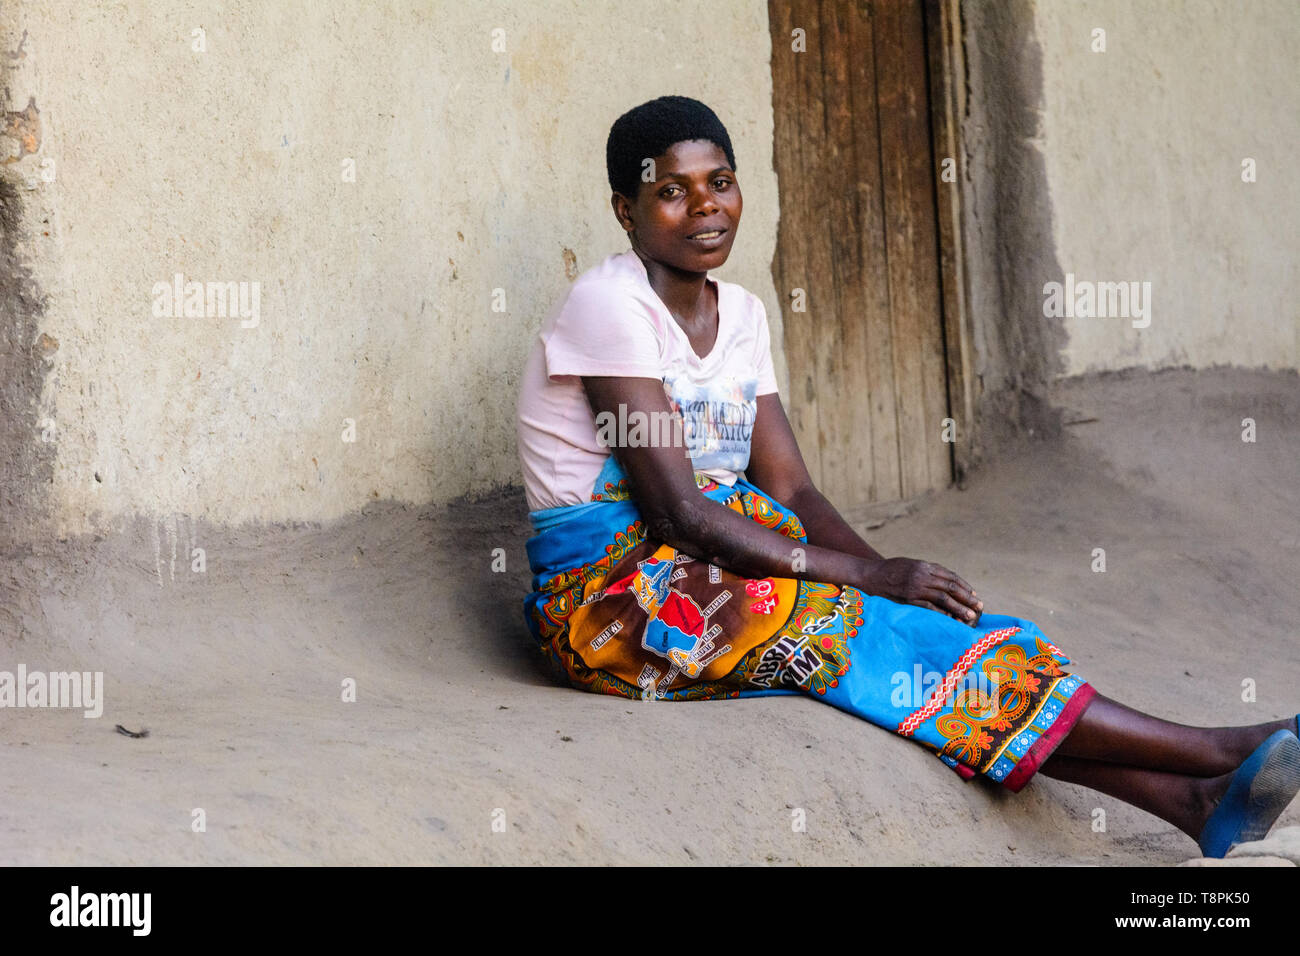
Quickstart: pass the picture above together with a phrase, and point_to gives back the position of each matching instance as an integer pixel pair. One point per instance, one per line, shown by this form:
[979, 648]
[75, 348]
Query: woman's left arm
[777, 467]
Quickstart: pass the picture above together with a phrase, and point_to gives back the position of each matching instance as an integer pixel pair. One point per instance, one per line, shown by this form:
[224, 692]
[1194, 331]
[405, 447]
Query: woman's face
[694, 191]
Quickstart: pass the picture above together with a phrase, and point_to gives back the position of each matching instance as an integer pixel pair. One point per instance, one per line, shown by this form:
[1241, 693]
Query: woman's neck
[685, 293]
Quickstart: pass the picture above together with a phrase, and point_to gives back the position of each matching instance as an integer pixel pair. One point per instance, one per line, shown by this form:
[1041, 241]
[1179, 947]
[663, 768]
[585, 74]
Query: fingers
[951, 608]
[935, 587]
[950, 605]
[953, 584]
[959, 587]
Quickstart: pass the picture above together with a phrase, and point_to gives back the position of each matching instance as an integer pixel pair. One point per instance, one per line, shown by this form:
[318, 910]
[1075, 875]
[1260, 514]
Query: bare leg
[1176, 798]
[1112, 733]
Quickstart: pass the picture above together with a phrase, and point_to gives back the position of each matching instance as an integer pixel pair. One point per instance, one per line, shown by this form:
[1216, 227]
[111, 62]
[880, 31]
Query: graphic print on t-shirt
[717, 419]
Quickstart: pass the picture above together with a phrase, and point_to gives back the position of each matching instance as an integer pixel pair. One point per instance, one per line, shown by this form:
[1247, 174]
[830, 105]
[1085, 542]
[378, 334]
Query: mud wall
[1170, 160]
[1113, 142]
[379, 202]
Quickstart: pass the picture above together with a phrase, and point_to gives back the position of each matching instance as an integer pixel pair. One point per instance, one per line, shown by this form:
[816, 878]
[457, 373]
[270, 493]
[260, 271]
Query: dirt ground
[236, 673]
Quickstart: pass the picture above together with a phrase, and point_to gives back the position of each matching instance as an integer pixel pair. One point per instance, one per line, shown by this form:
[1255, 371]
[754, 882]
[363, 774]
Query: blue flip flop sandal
[1259, 791]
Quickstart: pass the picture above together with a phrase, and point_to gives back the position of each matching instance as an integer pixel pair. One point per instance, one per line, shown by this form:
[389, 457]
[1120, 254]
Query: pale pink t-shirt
[613, 323]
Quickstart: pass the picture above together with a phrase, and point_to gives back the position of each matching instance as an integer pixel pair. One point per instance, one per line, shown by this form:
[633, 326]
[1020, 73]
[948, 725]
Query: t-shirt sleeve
[603, 329]
[763, 362]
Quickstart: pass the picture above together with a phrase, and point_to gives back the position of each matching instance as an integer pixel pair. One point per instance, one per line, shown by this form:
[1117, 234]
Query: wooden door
[859, 236]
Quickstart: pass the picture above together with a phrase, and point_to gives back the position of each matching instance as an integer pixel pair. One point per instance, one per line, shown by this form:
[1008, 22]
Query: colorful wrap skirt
[620, 613]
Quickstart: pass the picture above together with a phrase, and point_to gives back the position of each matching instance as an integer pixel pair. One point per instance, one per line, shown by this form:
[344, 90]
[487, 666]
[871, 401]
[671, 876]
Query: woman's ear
[622, 211]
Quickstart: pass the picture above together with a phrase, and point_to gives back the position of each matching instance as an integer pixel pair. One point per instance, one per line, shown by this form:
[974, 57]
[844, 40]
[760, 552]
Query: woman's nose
[704, 203]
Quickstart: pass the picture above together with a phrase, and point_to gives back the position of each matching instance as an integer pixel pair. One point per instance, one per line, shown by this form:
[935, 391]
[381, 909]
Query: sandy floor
[236, 673]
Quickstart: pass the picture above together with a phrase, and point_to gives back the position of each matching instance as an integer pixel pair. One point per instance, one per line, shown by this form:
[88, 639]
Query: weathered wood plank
[790, 94]
[912, 242]
[874, 389]
[944, 50]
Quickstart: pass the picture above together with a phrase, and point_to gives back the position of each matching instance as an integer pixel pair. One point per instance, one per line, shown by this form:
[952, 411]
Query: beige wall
[475, 171]
[1143, 147]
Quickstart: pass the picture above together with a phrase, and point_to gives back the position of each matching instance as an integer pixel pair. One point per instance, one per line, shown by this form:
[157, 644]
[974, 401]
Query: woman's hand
[924, 584]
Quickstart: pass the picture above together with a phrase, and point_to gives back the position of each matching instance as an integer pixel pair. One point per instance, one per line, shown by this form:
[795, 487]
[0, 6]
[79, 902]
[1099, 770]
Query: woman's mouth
[710, 238]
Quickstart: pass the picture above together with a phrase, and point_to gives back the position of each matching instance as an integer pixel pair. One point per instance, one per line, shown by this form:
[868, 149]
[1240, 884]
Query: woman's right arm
[662, 480]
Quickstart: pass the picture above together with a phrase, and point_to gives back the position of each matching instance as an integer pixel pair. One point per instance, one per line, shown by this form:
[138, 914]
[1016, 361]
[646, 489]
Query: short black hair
[646, 131]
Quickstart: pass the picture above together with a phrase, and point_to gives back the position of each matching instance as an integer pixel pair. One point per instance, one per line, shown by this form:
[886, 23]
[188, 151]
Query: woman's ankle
[1203, 797]
[1247, 739]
